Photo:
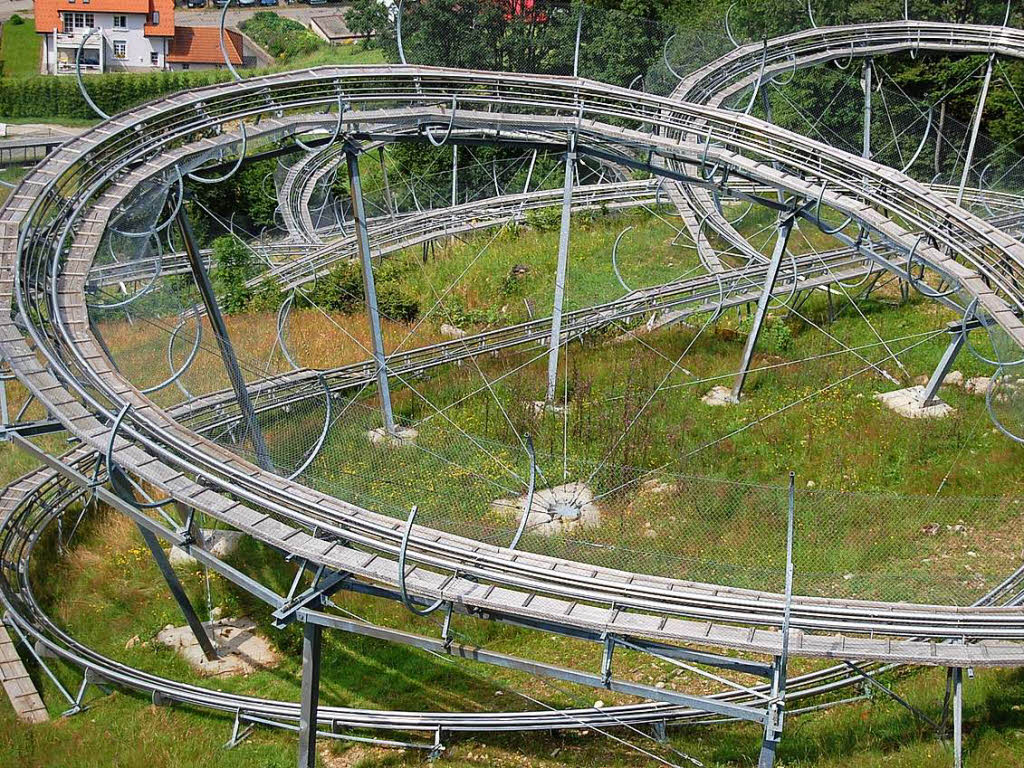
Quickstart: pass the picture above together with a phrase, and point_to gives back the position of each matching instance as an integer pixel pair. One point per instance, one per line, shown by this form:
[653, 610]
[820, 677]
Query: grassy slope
[108, 591]
[20, 49]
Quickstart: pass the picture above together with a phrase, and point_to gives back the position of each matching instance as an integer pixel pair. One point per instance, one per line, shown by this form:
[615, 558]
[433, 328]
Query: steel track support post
[781, 240]
[311, 636]
[178, 592]
[576, 48]
[220, 332]
[563, 258]
[931, 389]
[975, 127]
[369, 288]
[866, 76]
[776, 707]
[455, 175]
[958, 717]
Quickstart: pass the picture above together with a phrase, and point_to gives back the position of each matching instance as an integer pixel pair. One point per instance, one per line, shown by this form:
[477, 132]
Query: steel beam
[958, 717]
[311, 636]
[178, 592]
[785, 227]
[975, 127]
[369, 288]
[563, 258]
[931, 389]
[867, 71]
[220, 331]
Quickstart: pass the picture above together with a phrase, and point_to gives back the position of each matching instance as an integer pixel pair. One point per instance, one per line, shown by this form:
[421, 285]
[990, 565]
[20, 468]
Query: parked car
[247, 3]
[196, 3]
[268, 2]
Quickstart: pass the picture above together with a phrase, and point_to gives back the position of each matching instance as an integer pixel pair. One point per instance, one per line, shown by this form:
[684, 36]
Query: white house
[126, 35]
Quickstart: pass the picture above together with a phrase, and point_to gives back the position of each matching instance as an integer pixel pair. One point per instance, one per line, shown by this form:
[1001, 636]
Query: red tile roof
[201, 45]
[47, 12]
[165, 28]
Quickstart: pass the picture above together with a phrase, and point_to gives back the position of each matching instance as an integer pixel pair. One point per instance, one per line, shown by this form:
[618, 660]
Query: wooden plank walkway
[19, 686]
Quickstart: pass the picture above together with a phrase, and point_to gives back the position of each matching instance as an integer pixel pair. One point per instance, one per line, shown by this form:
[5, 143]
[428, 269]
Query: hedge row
[46, 97]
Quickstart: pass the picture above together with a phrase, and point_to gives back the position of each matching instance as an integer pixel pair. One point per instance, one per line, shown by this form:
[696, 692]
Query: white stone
[908, 403]
[954, 379]
[555, 511]
[718, 396]
[540, 407]
[452, 331]
[218, 543]
[240, 651]
[978, 385]
[402, 437]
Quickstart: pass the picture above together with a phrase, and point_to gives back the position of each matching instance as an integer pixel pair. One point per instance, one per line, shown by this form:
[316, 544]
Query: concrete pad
[908, 403]
[540, 407]
[240, 650]
[218, 543]
[978, 385]
[555, 511]
[403, 437]
[718, 396]
[452, 331]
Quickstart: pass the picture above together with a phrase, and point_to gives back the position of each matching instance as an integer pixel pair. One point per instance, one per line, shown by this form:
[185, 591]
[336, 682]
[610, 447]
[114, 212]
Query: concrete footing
[909, 404]
[555, 511]
[402, 437]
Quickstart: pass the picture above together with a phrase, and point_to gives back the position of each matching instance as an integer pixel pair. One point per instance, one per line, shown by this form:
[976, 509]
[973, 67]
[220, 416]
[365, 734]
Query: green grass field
[20, 48]
[107, 590]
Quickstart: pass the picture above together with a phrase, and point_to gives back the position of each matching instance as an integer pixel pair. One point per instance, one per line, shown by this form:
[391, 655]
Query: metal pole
[785, 227]
[958, 717]
[868, 70]
[974, 129]
[387, 185]
[455, 175]
[576, 50]
[178, 592]
[563, 257]
[311, 635]
[945, 363]
[363, 241]
[220, 331]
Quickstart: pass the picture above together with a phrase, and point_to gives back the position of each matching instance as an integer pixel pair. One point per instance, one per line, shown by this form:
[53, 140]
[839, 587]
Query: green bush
[396, 302]
[544, 219]
[15, 20]
[233, 265]
[282, 38]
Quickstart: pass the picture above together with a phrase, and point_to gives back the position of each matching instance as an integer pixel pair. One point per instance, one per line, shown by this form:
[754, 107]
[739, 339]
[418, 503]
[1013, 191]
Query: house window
[120, 49]
[185, 65]
[120, 21]
[154, 58]
[156, 17]
[78, 20]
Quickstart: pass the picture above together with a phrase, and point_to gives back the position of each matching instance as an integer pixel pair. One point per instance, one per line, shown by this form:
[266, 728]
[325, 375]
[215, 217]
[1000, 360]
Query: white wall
[138, 47]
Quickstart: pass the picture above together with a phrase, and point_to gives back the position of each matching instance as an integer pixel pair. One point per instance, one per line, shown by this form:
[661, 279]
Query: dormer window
[156, 18]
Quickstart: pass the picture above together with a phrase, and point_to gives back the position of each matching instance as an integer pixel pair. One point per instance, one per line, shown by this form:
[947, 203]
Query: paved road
[8, 7]
[210, 17]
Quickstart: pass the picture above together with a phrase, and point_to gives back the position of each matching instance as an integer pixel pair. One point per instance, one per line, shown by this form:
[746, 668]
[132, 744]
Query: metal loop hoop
[706, 175]
[220, 39]
[664, 57]
[238, 163]
[991, 412]
[821, 224]
[916, 284]
[170, 218]
[157, 270]
[78, 75]
[337, 129]
[969, 311]
[282, 320]
[318, 446]
[529, 494]
[615, 265]
[401, 571]
[448, 133]
[190, 358]
[728, 30]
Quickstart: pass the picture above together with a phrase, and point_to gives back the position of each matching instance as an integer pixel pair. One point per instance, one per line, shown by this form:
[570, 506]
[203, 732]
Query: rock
[930, 530]
[811, 484]
[978, 385]
[555, 511]
[403, 436]
[452, 331]
[540, 408]
[519, 270]
[659, 685]
[240, 651]
[718, 396]
[598, 704]
[219, 543]
[132, 642]
[907, 403]
[954, 379]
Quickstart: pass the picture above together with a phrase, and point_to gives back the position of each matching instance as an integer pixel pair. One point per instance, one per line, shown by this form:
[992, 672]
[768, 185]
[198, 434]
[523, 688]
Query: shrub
[544, 219]
[15, 20]
[396, 302]
[233, 265]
